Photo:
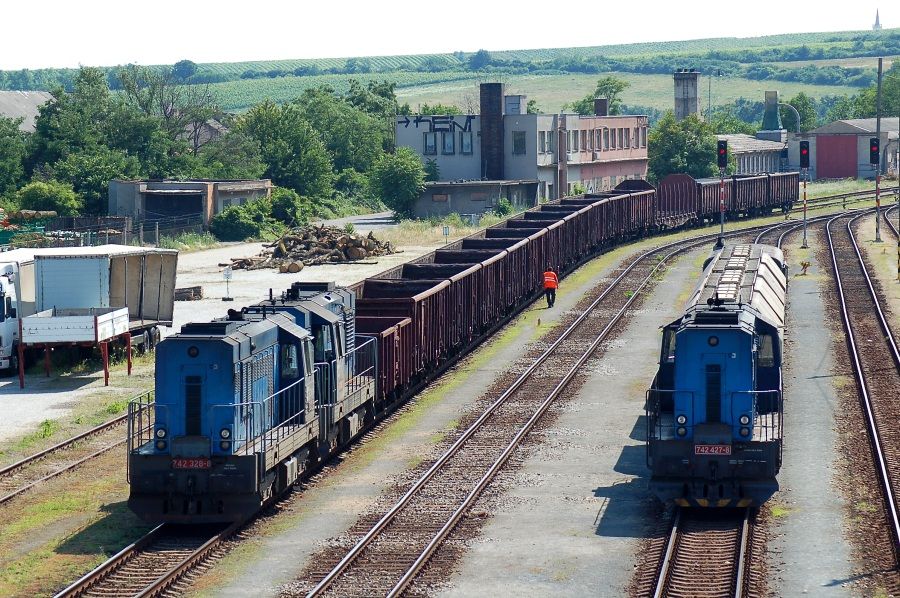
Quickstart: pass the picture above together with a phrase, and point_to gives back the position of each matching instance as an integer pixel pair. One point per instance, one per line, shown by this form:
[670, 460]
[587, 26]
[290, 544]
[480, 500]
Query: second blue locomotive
[244, 404]
[714, 411]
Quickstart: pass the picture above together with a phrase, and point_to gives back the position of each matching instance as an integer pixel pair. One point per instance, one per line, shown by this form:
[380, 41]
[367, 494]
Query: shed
[840, 149]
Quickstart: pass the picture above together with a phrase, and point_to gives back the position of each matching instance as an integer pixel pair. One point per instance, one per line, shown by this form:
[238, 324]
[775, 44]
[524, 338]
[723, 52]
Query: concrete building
[474, 197]
[24, 105]
[155, 200]
[687, 98]
[841, 149]
[753, 155]
[504, 143]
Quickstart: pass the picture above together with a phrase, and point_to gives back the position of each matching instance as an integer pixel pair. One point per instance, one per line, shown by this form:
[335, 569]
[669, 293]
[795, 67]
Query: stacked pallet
[313, 246]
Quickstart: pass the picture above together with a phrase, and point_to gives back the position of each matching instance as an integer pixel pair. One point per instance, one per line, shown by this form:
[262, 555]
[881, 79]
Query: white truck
[75, 295]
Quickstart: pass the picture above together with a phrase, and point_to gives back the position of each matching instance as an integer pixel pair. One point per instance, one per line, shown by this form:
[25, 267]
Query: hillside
[821, 64]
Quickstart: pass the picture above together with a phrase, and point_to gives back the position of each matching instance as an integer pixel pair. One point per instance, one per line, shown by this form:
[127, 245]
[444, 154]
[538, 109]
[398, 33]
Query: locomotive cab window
[290, 366]
[766, 356]
[667, 355]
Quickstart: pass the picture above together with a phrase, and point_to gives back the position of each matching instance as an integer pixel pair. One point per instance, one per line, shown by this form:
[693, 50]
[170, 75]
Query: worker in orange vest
[551, 283]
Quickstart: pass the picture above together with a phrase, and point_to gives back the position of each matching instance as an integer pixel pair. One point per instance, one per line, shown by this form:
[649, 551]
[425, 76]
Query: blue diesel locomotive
[244, 404]
[714, 411]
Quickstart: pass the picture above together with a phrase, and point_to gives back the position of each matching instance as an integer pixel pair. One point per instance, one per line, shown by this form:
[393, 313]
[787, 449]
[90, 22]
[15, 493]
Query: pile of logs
[313, 246]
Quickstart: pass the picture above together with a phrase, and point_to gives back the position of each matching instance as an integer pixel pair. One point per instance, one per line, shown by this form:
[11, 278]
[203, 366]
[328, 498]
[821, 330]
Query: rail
[859, 373]
[386, 520]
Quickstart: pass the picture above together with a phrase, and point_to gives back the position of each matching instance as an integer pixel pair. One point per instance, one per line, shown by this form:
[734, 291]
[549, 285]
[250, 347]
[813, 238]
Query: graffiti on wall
[437, 124]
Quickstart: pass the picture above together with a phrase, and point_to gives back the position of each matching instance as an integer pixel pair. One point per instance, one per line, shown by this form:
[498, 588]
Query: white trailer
[138, 280]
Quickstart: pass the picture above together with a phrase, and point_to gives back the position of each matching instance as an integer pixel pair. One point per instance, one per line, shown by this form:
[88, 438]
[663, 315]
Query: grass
[189, 241]
[430, 232]
[779, 510]
[56, 537]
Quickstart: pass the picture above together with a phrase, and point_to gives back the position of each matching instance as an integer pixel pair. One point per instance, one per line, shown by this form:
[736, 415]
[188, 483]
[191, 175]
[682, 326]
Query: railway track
[706, 554]
[153, 564]
[875, 361]
[387, 555]
[19, 477]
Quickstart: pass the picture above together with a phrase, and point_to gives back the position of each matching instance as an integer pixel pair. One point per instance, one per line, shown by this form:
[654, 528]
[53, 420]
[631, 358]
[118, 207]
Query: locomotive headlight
[225, 433]
[161, 445]
[745, 432]
[713, 341]
[225, 445]
[193, 351]
[681, 419]
[744, 419]
[160, 432]
[681, 431]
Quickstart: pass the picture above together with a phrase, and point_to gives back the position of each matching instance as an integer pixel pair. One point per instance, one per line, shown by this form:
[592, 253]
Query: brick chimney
[492, 131]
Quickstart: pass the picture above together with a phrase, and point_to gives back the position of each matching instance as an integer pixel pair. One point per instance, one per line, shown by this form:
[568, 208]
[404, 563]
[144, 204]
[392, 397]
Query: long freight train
[714, 425]
[247, 403]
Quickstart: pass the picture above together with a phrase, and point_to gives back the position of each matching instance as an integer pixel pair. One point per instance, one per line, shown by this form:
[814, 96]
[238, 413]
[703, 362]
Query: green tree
[608, 87]
[439, 109]
[292, 150]
[398, 179]
[353, 138]
[806, 107]
[725, 122]
[73, 121]
[289, 207]
[49, 195]
[184, 69]
[432, 171]
[90, 171]
[844, 108]
[687, 146]
[479, 60]
[532, 107]
[865, 105]
[234, 155]
[12, 155]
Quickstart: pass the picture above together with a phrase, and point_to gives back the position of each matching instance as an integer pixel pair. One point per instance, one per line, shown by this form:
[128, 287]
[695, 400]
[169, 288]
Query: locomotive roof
[743, 277]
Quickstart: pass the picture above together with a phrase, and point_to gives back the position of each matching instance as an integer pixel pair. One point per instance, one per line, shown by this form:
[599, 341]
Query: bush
[503, 208]
[49, 195]
[289, 207]
[249, 221]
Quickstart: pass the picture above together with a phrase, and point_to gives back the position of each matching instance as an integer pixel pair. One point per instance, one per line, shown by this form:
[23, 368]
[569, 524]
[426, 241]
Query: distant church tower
[877, 25]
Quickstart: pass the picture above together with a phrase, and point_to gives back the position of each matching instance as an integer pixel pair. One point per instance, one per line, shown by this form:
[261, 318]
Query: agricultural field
[861, 62]
[552, 91]
[238, 96]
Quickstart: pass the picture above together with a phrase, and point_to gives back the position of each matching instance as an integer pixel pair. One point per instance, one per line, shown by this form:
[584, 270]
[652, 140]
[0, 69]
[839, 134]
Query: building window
[627, 134]
[465, 142]
[598, 139]
[606, 139]
[612, 139]
[643, 136]
[430, 144]
[440, 197]
[447, 145]
[226, 203]
[584, 144]
[621, 138]
[242, 200]
[542, 142]
[518, 143]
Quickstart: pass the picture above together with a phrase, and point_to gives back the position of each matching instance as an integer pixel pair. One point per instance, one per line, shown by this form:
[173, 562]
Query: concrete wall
[473, 198]
[687, 101]
[521, 166]
[411, 132]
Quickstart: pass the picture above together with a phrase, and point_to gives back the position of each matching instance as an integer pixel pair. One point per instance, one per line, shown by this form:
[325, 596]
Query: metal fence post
[156, 226]
[141, 235]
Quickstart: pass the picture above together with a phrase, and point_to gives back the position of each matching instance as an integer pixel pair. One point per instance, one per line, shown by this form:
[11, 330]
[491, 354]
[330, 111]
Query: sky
[70, 33]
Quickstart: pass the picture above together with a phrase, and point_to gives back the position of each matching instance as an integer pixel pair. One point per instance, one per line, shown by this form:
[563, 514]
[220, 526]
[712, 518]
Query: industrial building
[504, 143]
[841, 149]
[156, 200]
